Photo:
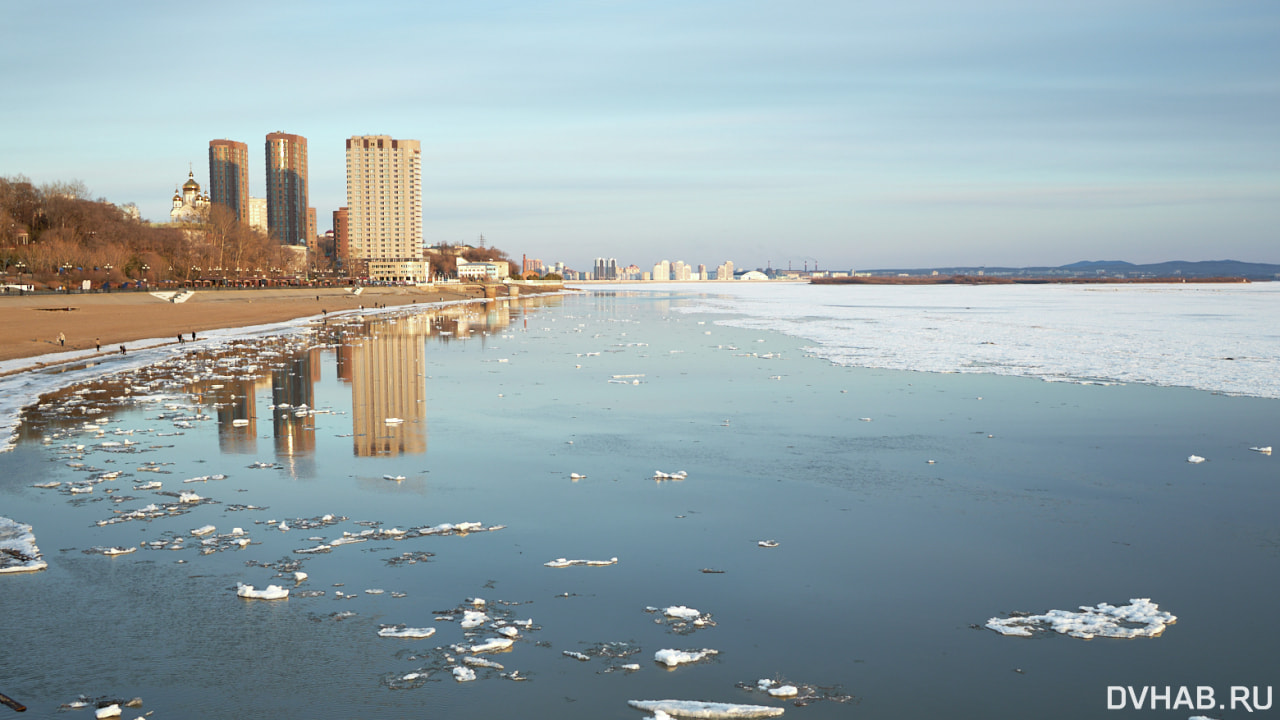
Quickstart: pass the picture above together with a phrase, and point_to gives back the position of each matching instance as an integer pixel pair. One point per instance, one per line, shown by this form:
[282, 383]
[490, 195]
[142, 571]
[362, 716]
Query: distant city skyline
[850, 135]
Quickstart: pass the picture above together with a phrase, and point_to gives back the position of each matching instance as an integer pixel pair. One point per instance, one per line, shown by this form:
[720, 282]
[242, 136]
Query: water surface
[908, 508]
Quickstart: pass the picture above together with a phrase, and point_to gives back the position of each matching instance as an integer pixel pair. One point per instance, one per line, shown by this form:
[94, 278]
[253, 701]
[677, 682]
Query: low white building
[483, 270]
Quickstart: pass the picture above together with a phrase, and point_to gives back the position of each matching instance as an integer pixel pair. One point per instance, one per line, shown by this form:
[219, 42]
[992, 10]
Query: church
[189, 206]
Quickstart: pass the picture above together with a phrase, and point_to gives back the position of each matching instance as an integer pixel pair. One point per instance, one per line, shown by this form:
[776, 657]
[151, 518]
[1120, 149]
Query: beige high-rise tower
[384, 207]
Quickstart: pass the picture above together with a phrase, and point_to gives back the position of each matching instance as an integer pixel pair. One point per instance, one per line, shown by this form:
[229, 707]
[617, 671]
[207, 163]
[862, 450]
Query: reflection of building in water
[292, 394]
[385, 370]
[234, 400]
[483, 319]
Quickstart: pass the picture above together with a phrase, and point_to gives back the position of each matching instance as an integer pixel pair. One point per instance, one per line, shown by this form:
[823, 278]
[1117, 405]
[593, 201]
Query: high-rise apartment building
[229, 177]
[258, 214]
[384, 207]
[341, 240]
[606, 269]
[287, 200]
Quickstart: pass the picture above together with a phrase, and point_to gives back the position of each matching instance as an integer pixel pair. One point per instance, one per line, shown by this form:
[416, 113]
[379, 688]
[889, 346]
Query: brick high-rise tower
[229, 176]
[287, 200]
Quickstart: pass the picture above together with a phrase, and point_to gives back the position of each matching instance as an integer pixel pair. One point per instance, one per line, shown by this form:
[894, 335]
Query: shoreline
[50, 330]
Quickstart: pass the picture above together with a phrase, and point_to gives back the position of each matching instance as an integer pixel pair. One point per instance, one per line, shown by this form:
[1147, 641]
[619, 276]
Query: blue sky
[847, 134]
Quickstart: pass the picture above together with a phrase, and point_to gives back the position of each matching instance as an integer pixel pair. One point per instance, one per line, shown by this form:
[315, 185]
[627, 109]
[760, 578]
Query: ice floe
[473, 619]
[563, 563]
[677, 475]
[412, 633]
[270, 592]
[492, 645]
[798, 694]
[1264, 450]
[672, 658]
[1195, 459]
[18, 550]
[1140, 618]
[109, 551]
[708, 710]
[462, 673]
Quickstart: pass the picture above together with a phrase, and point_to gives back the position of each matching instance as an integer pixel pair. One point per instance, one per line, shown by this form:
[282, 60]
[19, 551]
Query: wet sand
[30, 324]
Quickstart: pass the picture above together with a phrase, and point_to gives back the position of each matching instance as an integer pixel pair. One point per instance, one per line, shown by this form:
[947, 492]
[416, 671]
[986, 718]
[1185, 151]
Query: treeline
[444, 258]
[55, 231]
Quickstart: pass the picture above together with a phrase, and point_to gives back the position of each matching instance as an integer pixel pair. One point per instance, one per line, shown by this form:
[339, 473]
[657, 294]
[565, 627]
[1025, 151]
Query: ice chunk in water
[699, 709]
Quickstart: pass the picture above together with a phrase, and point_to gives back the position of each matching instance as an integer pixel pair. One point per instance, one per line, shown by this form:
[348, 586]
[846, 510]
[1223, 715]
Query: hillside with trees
[55, 234]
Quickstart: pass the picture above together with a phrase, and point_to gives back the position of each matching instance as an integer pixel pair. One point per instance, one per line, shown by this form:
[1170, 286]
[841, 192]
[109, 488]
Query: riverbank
[36, 325]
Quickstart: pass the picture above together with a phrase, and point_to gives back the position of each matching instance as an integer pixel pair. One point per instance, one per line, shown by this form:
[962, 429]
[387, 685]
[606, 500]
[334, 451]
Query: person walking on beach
[97, 345]
[62, 339]
[121, 349]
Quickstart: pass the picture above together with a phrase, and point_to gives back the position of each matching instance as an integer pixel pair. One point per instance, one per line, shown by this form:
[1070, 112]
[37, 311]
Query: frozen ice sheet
[1215, 337]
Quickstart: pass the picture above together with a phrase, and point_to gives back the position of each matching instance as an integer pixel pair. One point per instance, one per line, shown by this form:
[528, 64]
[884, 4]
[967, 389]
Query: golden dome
[191, 183]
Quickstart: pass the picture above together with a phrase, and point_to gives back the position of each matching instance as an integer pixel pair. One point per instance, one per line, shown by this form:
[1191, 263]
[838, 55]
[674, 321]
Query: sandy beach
[31, 325]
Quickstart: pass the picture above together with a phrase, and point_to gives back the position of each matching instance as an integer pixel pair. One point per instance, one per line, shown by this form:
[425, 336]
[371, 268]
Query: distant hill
[1110, 268]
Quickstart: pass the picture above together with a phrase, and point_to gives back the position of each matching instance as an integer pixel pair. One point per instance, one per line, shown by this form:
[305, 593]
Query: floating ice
[473, 619]
[493, 645]
[1195, 459]
[777, 690]
[482, 662]
[463, 674]
[576, 655]
[189, 497]
[394, 421]
[1140, 618]
[270, 592]
[396, 478]
[562, 562]
[203, 530]
[109, 711]
[677, 475]
[400, 631]
[109, 551]
[672, 658]
[768, 543]
[1264, 450]
[576, 476]
[18, 551]
[682, 620]
[680, 611]
[699, 709]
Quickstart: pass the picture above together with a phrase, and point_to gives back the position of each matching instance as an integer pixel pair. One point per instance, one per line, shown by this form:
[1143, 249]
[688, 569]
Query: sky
[807, 133]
